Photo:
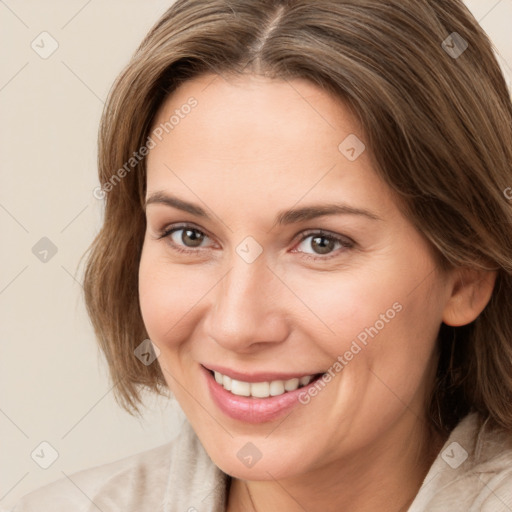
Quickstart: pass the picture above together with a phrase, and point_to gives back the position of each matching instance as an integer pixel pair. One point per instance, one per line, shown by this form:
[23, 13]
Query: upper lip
[257, 376]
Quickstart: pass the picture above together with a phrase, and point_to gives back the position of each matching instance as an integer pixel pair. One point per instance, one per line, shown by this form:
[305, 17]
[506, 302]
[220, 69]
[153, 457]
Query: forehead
[260, 138]
[257, 113]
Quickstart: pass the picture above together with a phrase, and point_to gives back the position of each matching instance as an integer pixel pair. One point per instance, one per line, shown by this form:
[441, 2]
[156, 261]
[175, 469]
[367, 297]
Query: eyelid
[328, 234]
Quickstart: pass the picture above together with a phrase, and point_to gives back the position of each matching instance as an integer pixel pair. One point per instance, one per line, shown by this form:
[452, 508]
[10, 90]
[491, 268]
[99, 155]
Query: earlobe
[471, 292]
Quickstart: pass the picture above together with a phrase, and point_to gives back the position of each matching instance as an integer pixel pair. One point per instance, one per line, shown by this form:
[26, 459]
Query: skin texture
[251, 148]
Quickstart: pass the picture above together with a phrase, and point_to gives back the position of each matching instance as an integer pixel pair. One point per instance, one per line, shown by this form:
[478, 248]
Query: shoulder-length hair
[421, 77]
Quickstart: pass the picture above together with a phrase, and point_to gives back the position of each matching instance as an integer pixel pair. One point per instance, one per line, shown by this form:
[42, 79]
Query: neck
[385, 478]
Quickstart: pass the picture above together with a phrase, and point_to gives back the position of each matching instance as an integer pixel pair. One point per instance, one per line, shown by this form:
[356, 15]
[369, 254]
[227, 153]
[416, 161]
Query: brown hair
[437, 119]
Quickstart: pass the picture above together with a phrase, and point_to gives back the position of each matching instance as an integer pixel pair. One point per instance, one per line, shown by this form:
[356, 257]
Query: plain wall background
[54, 384]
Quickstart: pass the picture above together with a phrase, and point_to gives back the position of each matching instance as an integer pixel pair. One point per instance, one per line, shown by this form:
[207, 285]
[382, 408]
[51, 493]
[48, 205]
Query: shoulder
[147, 481]
[492, 466]
[118, 482]
[472, 472]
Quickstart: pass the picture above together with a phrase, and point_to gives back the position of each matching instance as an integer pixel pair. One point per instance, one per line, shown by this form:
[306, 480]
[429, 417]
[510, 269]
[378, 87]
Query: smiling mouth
[263, 389]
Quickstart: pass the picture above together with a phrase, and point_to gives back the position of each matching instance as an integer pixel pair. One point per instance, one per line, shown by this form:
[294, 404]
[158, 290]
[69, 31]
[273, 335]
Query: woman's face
[274, 252]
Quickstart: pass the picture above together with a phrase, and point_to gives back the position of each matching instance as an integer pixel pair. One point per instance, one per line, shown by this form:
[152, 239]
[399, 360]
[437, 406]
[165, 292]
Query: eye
[321, 243]
[184, 238]
[313, 245]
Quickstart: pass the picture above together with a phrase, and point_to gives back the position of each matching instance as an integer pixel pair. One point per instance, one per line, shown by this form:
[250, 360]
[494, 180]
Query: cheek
[345, 306]
[380, 318]
[399, 343]
[170, 296]
[161, 294]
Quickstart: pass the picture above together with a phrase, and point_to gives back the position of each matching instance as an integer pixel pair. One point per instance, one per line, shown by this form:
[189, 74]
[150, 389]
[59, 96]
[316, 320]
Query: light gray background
[53, 381]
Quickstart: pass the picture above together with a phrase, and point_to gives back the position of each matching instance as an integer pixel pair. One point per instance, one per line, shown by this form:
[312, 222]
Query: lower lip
[250, 409]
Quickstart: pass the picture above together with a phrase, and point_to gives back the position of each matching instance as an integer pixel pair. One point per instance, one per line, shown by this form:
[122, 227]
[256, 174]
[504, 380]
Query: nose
[248, 309]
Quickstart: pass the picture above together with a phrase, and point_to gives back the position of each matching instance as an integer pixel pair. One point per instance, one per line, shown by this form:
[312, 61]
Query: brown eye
[320, 243]
[191, 237]
[185, 237]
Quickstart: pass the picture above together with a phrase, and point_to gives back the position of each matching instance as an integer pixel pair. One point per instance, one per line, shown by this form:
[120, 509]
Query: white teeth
[240, 388]
[261, 389]
[291, 385]
[276, 387]
[304, 381]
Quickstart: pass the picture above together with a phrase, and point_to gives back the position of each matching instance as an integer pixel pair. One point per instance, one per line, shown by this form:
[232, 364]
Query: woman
[307, 215]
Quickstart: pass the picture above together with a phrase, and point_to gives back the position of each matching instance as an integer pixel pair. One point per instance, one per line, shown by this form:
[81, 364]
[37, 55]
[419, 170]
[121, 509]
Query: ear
[471, 291]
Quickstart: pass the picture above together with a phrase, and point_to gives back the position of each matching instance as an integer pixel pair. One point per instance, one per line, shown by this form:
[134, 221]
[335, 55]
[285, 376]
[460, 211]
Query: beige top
[472, 473]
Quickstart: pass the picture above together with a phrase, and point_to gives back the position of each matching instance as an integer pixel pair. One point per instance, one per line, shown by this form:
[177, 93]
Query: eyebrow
[285, 217]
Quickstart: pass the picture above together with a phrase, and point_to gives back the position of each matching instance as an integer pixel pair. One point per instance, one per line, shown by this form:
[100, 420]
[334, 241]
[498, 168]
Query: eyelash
[343, 241]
